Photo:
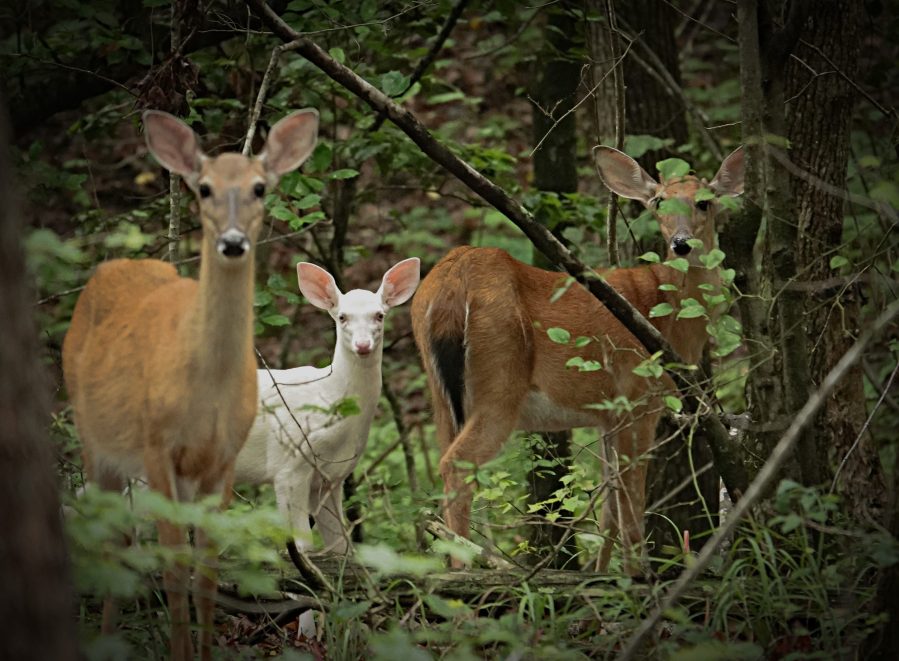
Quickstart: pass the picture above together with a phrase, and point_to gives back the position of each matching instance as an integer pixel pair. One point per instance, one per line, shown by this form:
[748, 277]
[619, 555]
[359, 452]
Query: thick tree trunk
[555, 171]
[35, 603]
[819, 120]
[650, 107]
[778, 379]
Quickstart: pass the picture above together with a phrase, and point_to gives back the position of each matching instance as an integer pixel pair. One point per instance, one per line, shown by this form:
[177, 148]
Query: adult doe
[298, 441]
[160, 369]
[481, 318]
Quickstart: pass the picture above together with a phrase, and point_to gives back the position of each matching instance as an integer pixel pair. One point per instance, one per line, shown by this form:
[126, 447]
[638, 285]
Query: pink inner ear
[399, 282]
[317, 285]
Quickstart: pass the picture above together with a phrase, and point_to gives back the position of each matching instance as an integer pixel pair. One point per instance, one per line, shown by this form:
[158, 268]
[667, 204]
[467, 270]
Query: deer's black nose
[680, 246]
[232, 244]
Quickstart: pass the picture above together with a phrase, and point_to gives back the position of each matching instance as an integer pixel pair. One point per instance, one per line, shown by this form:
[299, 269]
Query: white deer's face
[360, 316]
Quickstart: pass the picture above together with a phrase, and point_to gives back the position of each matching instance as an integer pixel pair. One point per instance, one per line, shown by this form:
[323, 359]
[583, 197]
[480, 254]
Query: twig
[442, 532]
[260, 96]
[577, 105]
[431, 55]
[69, 67]
[508, 42]
[769, 471]
[620, 107]
[174, 235]
[887, 112]
[883, 394]
[408, 455]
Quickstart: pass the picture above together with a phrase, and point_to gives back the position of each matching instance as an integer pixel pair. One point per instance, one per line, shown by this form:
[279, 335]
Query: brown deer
[480, 320]
[160, 369]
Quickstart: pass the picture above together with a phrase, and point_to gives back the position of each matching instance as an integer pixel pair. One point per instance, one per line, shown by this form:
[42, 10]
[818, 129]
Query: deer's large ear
[174, 144]
[729, 180]
[290, 142]
[318, 286]
[400, 282]
[623, 175]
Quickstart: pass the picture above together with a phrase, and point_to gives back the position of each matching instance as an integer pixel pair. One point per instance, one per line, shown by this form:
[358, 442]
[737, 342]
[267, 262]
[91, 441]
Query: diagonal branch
[766, 475]
[732, 470]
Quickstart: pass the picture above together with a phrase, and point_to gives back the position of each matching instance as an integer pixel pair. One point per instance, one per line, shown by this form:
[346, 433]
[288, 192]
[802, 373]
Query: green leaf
[309, 201]
[582, 341]
[560, 291]
[263, 297]
[282, 213]
[675, 207]
[837, 261]
[345, 173]
[673, 403]
[347, 407]
[349, 610]
[651, 257]
[869, 161]
[637, 145]
[712, 259]
[672, 167]
[667, 286]
[275, 320]
[678, 264]
[584, 365]
[558, 335]
[446, 97]
[730, 203]
[714, 299]
[337, 54]
[728, 275]
[320, 159]
[650, 367]
[696, 244]
[393, 83]
[590, 366]
[691, 312]
[661, 310]
[703, 194]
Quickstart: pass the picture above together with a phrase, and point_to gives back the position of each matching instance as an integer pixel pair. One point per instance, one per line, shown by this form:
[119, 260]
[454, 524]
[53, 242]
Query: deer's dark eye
[205, 190]
[702, 205]
[259, 189]
[379, 316]
[341, 318]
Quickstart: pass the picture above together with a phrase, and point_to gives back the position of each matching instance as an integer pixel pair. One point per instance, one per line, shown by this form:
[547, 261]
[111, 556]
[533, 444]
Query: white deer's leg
[329, 519]
[292, 493]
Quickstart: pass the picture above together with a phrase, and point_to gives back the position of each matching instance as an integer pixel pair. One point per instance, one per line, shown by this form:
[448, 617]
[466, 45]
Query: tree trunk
[821, 107]
[555, 171]
[35, 589]
[772, 313]
[650, 108]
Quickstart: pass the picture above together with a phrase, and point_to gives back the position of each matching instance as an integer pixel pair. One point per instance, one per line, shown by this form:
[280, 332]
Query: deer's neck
[355, 375]
[687, 336]
[224, 314]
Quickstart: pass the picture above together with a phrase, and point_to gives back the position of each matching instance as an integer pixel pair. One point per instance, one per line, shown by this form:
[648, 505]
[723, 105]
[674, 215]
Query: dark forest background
[521, 92]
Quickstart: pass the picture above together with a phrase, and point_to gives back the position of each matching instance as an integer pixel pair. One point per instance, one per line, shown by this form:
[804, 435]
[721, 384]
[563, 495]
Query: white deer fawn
[298, 442]
[160, 369]
[480, 321]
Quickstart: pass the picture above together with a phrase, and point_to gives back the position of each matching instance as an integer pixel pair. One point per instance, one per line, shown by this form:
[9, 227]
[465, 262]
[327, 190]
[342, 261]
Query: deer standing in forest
[480, 320]
[299, 442]
[160, 369]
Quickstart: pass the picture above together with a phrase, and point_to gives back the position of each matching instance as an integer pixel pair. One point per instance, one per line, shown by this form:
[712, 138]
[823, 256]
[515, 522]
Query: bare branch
[769, 471]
